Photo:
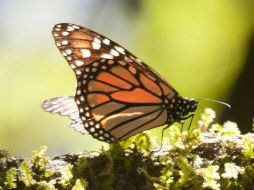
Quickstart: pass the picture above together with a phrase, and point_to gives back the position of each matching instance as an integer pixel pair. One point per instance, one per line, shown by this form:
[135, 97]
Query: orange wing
[117, 94]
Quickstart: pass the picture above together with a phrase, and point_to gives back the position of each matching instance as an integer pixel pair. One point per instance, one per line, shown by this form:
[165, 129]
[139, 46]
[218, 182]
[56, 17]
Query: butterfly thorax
[178, 108]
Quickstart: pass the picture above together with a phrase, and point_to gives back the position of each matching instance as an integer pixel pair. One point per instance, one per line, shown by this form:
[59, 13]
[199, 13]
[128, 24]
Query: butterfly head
[180, 107]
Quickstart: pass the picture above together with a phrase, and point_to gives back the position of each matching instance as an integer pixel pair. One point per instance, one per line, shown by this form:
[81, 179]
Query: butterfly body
[117, 95]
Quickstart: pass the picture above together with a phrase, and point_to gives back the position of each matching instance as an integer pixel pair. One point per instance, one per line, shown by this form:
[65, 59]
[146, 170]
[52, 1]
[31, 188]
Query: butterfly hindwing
[117, 106]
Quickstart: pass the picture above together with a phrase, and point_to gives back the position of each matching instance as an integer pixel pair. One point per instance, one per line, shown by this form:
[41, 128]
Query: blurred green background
[199, 46]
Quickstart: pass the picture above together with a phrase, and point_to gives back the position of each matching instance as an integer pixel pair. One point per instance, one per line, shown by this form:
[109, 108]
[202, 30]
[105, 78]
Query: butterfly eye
[117, 95]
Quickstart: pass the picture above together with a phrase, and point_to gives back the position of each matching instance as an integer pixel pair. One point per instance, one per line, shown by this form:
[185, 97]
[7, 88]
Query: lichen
[209, 156]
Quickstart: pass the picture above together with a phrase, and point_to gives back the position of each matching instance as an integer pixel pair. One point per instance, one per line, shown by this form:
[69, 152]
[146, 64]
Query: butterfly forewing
[81, 46]
[117, 94]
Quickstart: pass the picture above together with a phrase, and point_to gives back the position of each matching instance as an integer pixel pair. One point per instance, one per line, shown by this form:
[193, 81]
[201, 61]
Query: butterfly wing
[65, 106]
[117, 94]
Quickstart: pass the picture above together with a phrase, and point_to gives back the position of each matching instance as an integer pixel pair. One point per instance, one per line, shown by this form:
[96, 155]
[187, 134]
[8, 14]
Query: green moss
[209, 156]
[66, 175]
[11, 178]
[26, 174]
[43, 185]
[39, 159]
[80, 184]
[248, 148]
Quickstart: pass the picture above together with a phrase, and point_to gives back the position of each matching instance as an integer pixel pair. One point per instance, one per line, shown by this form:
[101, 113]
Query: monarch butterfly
[117, 95]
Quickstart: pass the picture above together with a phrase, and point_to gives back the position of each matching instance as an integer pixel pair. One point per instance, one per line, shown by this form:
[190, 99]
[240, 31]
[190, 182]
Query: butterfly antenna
[217, 101]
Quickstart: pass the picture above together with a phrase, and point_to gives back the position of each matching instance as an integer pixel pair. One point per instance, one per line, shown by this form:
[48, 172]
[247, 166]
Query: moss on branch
[207, 157]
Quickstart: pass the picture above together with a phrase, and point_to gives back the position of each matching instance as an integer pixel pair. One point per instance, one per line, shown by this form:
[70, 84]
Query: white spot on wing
[95, 64]
[82, 98]
[65, 42]
[78, 92]
[75, 26]
[79, 63]
[69, 51]
[65, 33]
[107, 56]
[120, 49]
[138, 60]
[97, 40]
[96, 45]
[114, 52]
[106, 41]
[78, 72]
[69, 28]
[73, 66]
[86, 53]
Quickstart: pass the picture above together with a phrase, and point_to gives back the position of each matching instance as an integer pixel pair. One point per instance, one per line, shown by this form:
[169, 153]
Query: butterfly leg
[182, 122]
[187, 117]
[162, 134]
